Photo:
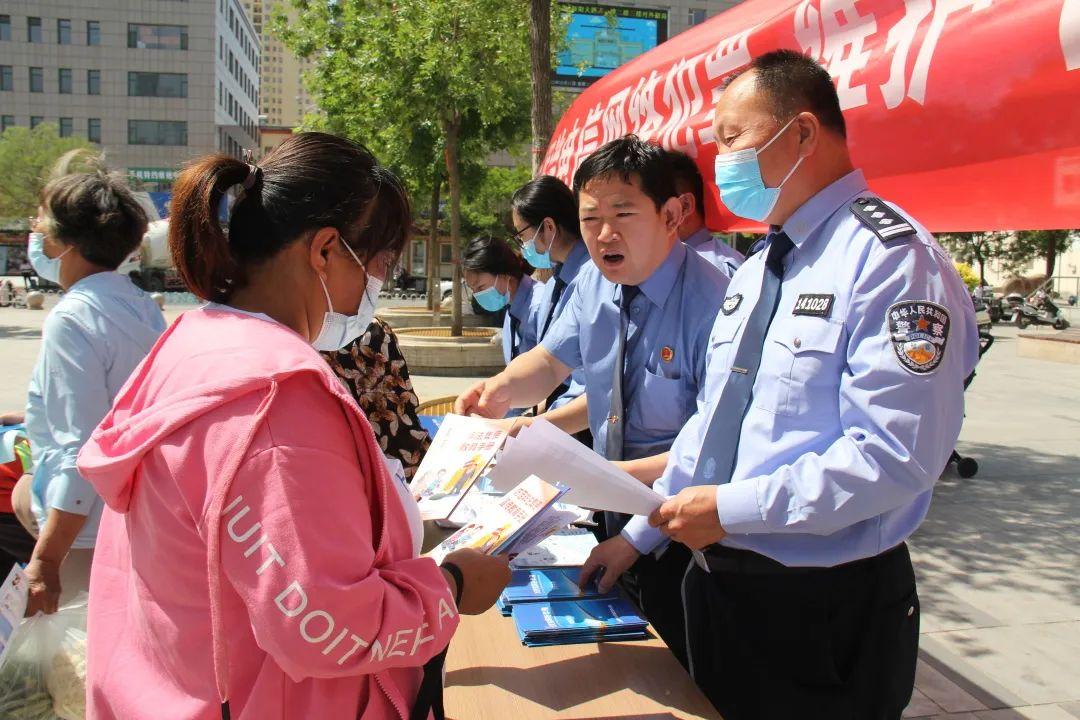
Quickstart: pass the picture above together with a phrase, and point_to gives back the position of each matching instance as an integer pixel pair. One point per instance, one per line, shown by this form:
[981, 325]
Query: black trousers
[832, 643]
[655, 586]
[16, 544]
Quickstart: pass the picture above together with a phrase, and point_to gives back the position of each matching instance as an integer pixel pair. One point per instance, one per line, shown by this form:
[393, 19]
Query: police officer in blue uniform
[545, 218]
[692, 230]
[638, 325]
[833, 399]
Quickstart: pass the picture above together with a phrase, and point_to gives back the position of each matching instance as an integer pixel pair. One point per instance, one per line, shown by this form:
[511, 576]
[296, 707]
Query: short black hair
[491, 255]
[688, 178]
[796, 83]
[547, 197]
[627, 158]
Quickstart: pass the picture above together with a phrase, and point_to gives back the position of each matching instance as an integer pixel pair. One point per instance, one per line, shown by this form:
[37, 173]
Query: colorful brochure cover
[459, 455]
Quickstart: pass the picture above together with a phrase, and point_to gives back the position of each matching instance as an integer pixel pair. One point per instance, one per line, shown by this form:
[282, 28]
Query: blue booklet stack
[564, 622]
[546, 584]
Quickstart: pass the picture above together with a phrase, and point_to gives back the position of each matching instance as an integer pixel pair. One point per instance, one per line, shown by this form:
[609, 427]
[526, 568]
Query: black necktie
[515, 338]
[560, 285]
[719, 451]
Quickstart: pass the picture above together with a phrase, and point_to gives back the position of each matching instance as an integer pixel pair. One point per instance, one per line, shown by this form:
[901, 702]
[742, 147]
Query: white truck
[150, 266]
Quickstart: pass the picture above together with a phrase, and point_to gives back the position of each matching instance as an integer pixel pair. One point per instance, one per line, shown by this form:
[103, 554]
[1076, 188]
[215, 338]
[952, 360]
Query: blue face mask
[46, 267]
[539, 260]
[491, 299]
[738, 175]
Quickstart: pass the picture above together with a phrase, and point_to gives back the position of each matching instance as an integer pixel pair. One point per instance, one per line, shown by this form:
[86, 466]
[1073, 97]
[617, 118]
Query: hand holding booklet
[521, 519]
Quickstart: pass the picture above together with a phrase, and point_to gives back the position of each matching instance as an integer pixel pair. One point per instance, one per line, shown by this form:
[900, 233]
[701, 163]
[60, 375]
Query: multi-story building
[153, 83]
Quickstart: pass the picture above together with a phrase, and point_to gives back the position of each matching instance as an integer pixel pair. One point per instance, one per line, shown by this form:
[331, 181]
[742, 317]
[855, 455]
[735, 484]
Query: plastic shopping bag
[44, 674]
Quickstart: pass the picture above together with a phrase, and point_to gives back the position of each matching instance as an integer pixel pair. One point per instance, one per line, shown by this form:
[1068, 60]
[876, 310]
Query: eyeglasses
[516, 237]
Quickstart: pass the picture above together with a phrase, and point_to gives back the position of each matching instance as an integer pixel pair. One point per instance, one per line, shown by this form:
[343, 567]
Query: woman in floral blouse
[374, 370]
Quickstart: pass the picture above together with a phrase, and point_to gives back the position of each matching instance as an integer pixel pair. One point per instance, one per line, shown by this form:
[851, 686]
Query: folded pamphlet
[566, 622]
[460, 454]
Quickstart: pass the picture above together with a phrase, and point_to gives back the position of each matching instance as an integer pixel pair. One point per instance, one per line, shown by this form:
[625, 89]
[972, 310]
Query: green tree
[26, 156]
[976, 248]
[1031, 244]
[487, 209]
[424, 83]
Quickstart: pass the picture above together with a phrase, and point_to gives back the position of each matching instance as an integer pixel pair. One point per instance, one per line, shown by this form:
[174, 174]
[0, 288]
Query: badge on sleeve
[731, 304]
[919, 331]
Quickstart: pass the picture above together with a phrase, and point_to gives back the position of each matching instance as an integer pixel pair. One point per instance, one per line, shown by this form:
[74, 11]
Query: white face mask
[339, 330]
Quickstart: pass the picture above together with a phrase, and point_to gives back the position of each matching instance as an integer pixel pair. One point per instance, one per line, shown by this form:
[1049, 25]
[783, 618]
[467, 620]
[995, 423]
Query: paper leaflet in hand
[544, 450]
[523, 517]
[13, 599]
[460, 453]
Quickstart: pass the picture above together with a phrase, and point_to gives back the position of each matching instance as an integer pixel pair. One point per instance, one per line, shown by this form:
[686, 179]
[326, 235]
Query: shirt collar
[658, 286]
[99, 282]
[809, 217]
[519, 306]
[568, 268]
[699, 238]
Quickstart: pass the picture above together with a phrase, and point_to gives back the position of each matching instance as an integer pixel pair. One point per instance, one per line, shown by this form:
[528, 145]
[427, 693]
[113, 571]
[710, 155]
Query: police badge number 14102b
[919, 331]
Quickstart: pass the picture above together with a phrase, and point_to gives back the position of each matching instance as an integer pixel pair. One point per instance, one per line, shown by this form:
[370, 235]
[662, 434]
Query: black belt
[723, 559]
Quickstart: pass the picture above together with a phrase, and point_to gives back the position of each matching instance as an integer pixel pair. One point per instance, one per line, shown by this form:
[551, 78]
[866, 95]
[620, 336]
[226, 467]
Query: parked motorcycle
[1039, 310]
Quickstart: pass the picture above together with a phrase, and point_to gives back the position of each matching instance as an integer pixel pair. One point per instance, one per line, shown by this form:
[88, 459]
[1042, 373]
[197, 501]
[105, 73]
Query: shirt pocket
[801, 368]
[663, 404]
[722, 349]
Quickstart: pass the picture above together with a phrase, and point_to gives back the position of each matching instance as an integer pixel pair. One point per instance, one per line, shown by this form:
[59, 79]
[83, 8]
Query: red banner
[964, 112]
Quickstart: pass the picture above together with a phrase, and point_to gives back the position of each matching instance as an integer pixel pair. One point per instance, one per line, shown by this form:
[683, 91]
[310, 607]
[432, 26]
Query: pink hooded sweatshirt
[252, 548]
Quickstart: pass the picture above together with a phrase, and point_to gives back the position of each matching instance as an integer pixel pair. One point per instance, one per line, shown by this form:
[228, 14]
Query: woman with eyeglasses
[257, 559]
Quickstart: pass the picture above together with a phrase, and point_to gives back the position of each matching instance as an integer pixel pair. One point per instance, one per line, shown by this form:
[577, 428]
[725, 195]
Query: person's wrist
[459, 580]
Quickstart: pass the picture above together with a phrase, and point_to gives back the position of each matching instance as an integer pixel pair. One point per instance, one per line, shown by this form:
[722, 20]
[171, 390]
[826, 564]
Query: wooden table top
[490, 674]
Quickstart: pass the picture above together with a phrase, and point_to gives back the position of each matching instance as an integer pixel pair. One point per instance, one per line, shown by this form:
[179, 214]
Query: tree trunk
[1051, 254]
[540, 50]
[453, 172]
[982, 264]
[434, 296]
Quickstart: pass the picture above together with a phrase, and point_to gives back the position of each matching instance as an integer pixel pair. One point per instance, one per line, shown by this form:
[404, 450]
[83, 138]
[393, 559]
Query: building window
[64, 81]
[153, 84]
[93, 130]
[157, 37]
[93, 82]
[418, 266]
[6, 121]
[7, 77]
[37, 80]
[67, 127]
[220, 93]
[63, 31]
[93, 32]
[33, 29]
[445, 253]
[36, 120]
[5, 31]
[157, 132]
[697, 16]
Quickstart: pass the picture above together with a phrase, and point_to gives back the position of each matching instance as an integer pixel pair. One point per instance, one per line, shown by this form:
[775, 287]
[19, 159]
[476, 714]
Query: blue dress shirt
[722, 256]
[525, 308]
[567, 271]
[842, 444]
[91, 342]
[666, 341]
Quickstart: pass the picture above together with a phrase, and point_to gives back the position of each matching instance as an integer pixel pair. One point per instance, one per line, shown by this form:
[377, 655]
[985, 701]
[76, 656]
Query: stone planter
[432, 351]
[414, 317]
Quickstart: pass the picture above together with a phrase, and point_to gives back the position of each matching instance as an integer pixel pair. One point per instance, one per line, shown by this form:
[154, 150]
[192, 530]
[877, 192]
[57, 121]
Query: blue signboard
[600, 38]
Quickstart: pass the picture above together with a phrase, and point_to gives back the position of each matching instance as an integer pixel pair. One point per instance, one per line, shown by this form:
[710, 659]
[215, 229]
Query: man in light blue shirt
[692, 230]
[638, 326]
[833, 399]
[91, 342]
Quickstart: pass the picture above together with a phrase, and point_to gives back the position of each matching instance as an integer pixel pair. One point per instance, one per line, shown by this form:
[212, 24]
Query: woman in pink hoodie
[256, 559]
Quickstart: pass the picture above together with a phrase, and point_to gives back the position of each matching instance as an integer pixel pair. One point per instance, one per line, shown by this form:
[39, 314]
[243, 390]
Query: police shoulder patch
[919, 331]
[885, 222]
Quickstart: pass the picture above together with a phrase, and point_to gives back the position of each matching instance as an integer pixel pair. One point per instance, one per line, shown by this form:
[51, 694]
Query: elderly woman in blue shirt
[88, 223]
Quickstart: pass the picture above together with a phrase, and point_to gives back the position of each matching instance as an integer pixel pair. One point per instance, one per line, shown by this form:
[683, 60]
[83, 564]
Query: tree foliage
[433, 87]
[26, 156]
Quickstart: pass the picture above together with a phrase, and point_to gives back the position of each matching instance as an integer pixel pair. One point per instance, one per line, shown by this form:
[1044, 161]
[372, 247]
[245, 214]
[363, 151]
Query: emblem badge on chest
[919, 331]
[667, 354]
[731, 304]
[815, 305]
